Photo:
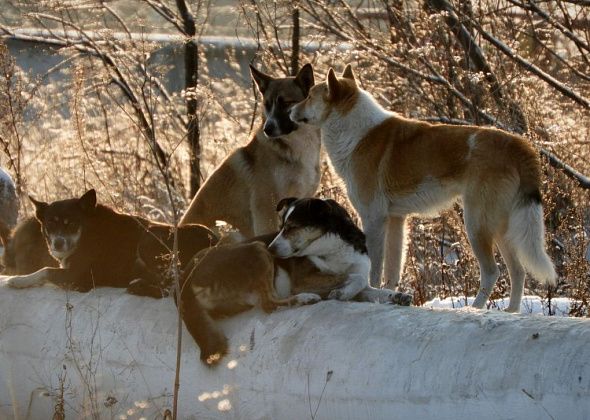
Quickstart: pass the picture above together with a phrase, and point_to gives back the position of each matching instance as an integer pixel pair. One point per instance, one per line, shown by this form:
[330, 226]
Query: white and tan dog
[394, 167]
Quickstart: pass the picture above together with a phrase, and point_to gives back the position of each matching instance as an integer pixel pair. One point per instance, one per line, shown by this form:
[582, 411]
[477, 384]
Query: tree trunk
[191, 76]
[295, 40]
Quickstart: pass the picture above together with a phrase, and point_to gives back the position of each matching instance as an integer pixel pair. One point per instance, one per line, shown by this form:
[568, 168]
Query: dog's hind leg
[517, 273]
[395, 250]
[482, 244]
[202, 328]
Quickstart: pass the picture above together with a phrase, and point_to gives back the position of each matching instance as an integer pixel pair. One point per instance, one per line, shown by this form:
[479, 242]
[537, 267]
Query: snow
[533, 305]
[346, 360]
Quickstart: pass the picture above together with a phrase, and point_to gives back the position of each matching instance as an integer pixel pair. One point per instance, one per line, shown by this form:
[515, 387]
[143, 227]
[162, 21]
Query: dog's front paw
[308, 298]
[339, 294]
[402, 299]
[20, 282]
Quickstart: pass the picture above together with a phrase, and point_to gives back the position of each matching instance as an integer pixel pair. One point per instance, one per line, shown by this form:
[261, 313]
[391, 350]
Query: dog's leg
[395, 250]
[355, 281]
[482, 245]
[37, 278]
[371, 294]
[264, 215]
[374, 228]
[517, 273]
[202, 328]
[352, 287]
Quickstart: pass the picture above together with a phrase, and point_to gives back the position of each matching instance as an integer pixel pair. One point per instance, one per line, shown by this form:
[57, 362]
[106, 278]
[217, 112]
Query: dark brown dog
[98, 246]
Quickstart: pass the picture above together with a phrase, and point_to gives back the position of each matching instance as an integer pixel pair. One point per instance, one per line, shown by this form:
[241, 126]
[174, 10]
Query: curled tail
[526, 232]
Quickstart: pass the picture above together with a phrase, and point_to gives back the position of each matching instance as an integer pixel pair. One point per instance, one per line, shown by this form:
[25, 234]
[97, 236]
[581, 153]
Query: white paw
[308, 298]
[20, 282]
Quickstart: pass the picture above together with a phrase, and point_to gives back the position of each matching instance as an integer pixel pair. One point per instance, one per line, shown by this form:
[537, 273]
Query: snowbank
[343, 360]
[533, 305]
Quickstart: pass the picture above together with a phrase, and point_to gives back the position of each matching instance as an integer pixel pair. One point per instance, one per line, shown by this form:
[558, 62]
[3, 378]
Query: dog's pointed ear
[348, 73]
[333, 84]
[285, 202]
[305, 78]
[88, 201]
[284, 205]
[40, 207]
[261, 79]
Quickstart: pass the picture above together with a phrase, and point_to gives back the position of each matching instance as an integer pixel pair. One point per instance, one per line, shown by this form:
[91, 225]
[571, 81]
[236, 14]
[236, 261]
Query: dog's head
[334, 94]
[312, 226]
[279, 95]
[62, 222]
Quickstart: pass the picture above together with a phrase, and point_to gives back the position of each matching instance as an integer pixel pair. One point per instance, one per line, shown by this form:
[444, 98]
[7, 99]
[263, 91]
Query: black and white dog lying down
[319, 253]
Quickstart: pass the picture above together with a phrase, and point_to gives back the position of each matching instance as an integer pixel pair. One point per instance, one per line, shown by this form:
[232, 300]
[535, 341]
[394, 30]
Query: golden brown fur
[245, 188]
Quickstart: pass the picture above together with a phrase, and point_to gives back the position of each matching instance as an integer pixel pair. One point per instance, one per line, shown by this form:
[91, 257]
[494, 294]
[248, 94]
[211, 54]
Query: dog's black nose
[59, 244]
[269, 129]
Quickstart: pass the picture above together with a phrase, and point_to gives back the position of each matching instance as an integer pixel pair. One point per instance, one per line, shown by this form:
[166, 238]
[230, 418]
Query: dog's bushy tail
[526, 233]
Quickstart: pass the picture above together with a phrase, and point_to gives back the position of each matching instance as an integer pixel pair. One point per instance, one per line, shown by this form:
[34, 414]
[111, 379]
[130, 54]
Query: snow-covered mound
[115, 354]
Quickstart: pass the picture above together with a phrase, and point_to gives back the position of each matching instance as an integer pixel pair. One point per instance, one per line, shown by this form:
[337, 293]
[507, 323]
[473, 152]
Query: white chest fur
[342, 133]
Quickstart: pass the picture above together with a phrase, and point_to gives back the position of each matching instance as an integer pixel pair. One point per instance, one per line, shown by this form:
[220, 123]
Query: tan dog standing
[394, 167]
[281, 160]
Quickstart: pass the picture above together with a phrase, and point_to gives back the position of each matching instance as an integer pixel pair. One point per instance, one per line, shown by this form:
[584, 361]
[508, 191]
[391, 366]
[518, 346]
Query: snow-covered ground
[532, 305]
[115, 354]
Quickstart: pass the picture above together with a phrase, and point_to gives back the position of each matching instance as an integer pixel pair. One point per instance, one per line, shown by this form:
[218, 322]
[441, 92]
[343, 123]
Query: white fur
[37, 278]
[341, 135]
[330, 254]
[282, 283]
[526, 232]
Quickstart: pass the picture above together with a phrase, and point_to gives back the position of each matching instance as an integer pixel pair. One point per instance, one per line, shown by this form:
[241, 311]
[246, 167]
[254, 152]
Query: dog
[319, 253]
[281, 160]
[394, 167]
[97, 246]
[26, 249]
[8, 206]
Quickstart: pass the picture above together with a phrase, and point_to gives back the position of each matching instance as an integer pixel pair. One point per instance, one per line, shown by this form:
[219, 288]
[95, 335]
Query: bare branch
[550, 80]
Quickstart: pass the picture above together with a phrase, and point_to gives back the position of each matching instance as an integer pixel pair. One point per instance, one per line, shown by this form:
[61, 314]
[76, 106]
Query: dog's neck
[342, 133]
[301, 145]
